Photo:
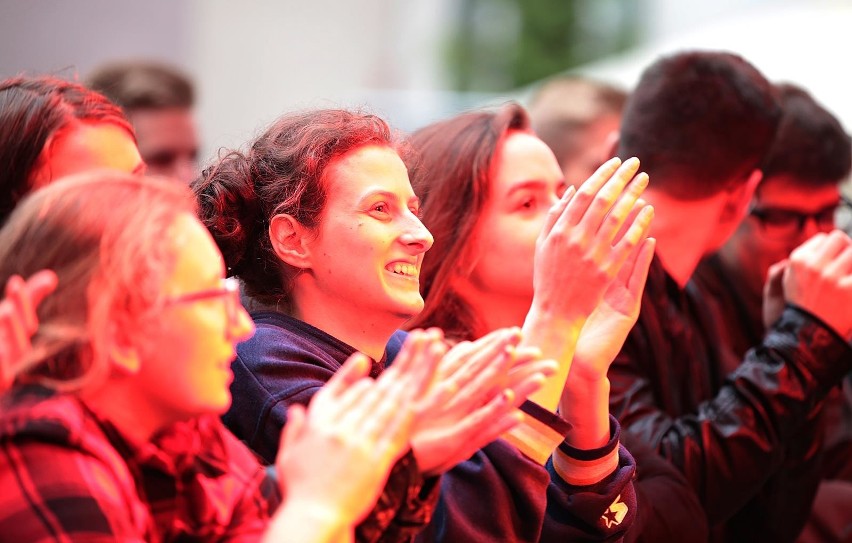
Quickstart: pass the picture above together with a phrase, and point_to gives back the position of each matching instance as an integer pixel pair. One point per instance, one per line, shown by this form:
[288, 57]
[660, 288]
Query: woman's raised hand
[335, 456]
[474, 401]
[588, 236]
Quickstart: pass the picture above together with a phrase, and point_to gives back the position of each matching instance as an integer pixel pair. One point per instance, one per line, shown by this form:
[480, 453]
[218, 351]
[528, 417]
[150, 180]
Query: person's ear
[123, 352]
[289, 240]
[740, 195]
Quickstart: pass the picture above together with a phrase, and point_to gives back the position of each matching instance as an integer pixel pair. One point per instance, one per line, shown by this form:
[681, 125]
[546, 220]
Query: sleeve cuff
[540, 432]
[580, 467]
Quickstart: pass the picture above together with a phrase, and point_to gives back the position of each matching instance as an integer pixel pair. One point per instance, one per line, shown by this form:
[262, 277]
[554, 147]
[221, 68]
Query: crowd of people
[611, 316]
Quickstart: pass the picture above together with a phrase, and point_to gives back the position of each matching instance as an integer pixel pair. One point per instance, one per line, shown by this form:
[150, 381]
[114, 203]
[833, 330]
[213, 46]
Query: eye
[380, 207]
[416, 211]
[526, 204]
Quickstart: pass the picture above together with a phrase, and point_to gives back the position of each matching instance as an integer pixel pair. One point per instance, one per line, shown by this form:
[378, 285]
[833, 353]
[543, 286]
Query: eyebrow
[389, 195]
[535, 184]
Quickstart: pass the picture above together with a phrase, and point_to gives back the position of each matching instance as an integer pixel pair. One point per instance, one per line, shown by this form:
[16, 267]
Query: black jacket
[733, 435]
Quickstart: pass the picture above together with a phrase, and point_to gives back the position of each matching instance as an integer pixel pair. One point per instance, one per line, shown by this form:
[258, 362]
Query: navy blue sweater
[496, 495]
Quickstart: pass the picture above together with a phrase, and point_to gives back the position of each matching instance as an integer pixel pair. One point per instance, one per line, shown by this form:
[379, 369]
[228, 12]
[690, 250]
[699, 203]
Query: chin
[409, 308]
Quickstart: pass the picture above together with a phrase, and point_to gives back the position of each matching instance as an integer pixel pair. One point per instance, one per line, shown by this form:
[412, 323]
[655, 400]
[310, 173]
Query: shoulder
[60, 474]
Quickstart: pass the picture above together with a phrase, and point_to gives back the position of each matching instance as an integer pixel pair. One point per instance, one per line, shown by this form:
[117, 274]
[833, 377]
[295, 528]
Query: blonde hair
[105, 234]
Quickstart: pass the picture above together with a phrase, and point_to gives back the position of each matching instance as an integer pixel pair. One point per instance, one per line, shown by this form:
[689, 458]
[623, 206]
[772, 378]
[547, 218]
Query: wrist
[585, 405]
[299, 521]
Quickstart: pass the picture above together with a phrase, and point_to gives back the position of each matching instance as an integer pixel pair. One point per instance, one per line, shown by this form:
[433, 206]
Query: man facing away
[798, 198]
[701, 122]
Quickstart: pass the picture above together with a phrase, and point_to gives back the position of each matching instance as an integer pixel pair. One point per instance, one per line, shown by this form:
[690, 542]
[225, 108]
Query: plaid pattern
[66, 475]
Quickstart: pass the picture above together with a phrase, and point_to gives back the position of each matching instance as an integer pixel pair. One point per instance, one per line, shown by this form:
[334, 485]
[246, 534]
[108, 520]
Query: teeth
[408, 270]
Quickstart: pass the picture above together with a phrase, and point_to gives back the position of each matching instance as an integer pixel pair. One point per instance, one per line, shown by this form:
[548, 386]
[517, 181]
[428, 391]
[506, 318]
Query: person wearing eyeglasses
[702, 122]
[798, 198]
[109, 430]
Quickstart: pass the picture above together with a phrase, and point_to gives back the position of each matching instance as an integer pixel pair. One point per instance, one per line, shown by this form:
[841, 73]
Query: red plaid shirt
[66, 475]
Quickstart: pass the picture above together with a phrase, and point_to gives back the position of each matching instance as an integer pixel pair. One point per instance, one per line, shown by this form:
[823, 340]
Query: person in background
[158, 99]
[703, 121]
[93, 446]
[50, 128]
[319, 221]
[578, 119]
[798, 197]
[489, 202]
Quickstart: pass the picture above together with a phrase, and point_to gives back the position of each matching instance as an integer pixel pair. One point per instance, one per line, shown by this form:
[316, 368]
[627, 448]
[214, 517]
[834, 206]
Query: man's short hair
[700, 122]
[143, 85]
[810, 144]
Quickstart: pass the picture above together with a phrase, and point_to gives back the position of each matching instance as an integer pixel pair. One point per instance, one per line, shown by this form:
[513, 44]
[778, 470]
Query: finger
[18, 296]
[454, 359]
[485, 370]
[424, 376]
[481, 352]
[545, 367]
[420, 362]
[295, 424]
[809, 248]
[589, 209]
[835, 243]
[631, 218]
[774, 286]
[526, 386]
[355, 368]
[635, 235]
[524, 355]
[640, 268]
[353, 406]
[623, 208]
[574, 202]
[841, 265]
[580, 201]
[40, 284]
[556, 211]
[490, 421]
[12, 332]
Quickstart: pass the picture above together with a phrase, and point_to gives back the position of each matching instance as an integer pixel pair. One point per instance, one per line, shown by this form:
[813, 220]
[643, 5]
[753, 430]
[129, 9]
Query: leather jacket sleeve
[729, 445]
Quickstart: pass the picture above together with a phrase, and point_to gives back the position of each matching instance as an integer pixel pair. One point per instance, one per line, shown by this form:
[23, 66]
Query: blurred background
[414, 61]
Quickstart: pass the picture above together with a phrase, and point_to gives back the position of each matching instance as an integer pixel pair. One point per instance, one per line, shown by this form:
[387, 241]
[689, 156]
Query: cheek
[506, 252]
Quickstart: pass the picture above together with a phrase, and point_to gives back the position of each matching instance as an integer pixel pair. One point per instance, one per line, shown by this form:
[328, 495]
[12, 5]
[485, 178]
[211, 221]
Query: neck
[496, 311]
[352, 325]
[747, 280]
[123, 407]
[684, 229]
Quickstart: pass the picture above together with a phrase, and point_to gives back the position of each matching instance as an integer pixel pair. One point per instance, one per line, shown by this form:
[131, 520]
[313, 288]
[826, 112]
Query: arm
[667, 509]
[578, 255]
[728, 445]
[497, 491]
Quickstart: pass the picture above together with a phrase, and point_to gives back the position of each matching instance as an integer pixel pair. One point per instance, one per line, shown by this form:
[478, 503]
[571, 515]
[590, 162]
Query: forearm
[300, 523]
[585, 405]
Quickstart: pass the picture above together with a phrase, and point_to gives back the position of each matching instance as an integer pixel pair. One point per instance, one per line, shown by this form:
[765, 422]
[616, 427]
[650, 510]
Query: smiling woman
[320, 222]
[110, 427]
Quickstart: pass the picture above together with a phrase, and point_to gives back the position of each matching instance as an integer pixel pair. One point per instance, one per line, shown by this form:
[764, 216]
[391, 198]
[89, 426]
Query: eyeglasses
[229, 290]
[786, 223]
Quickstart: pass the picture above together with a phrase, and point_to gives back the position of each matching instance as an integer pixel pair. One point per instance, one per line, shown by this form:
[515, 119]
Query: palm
[607, 327]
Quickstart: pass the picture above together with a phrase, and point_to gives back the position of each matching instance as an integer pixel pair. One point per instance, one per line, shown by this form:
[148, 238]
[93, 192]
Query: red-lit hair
[451, 165]
[282, 173]
[103, 234]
